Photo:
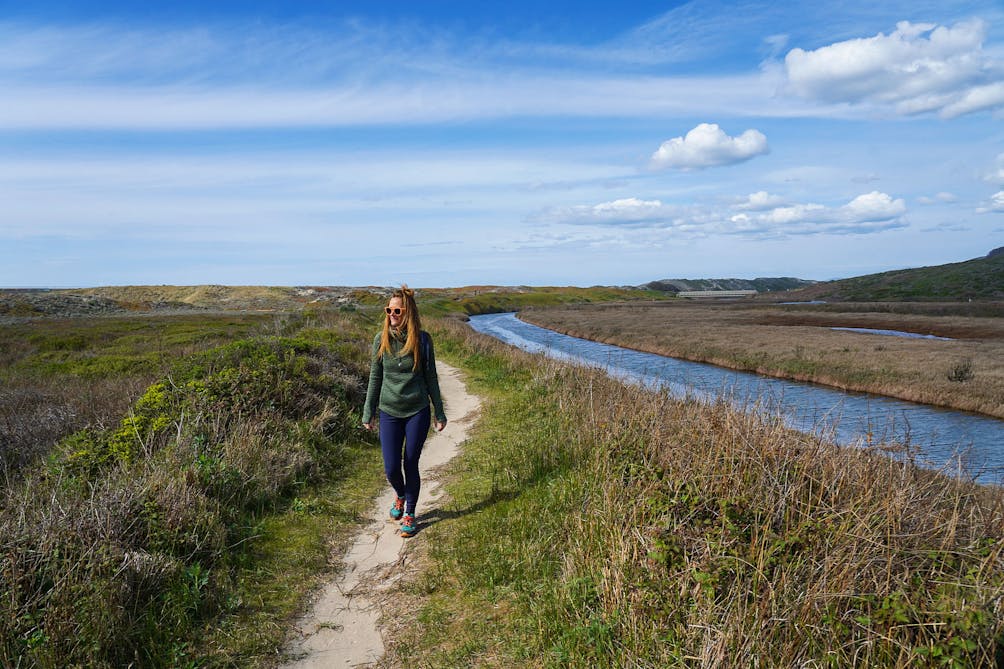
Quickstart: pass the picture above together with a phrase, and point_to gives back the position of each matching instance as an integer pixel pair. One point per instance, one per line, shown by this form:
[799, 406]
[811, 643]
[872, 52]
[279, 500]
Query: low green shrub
[961, 371]
[119, 549]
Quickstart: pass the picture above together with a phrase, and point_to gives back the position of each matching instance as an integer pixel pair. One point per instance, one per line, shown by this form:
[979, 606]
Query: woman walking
[403, 381]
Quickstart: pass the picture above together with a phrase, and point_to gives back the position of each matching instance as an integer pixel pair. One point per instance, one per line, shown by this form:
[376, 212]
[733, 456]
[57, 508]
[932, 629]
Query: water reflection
[944, 438]
[894, 333]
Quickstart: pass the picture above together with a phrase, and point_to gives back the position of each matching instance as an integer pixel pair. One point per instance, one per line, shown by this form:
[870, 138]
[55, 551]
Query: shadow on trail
[437, 515]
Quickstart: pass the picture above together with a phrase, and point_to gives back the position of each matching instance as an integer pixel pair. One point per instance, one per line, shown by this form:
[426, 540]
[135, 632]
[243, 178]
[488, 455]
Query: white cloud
[871, 212]
[867, 213]
[996, 204]
[626, 211]
[793, 215]
[629, 205]
[942, 197]
[760, 201]
[977, 98]
[996, 175]
[917, 68]
[874, 206]
[707, 145]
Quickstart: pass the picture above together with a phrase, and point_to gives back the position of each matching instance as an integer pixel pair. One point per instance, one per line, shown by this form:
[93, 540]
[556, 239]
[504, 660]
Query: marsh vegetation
[797, 342]
[595, 524]
[176, 511]
[175, 485]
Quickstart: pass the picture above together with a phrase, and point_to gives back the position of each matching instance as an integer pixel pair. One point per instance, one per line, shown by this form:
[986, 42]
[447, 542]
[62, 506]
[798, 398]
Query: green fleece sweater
[396, 389]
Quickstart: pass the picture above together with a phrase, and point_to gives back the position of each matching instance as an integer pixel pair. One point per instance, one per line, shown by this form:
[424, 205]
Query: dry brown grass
[800, 345]
[36, 413]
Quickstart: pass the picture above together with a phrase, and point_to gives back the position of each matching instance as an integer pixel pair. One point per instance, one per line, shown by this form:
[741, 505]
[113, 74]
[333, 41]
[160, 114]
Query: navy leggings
[410, 434]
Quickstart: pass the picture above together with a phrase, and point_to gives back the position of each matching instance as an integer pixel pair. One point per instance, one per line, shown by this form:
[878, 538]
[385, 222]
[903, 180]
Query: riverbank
[966, 373]
[595, 524]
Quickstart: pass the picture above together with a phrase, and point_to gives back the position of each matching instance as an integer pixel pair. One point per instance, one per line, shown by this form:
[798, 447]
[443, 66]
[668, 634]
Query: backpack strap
[425, 344]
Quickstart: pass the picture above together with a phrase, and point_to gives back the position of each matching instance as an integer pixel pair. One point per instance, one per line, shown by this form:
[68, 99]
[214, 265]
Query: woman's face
[396, 314]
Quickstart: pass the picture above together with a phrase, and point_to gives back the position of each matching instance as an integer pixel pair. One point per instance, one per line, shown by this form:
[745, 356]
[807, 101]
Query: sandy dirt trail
[341, 629]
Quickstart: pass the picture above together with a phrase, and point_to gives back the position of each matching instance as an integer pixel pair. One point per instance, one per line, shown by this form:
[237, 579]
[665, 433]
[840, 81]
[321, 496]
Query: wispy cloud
[575, 96]
[947, 227]
[918, 68]
[110, 76]
[996, 174]
[113, 76]
[938, 198]
[626, 211]
[221, 53]
[267, 194]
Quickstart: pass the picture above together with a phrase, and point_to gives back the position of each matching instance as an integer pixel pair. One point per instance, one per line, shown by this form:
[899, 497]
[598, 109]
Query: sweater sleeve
[375, 383]
[432, 383]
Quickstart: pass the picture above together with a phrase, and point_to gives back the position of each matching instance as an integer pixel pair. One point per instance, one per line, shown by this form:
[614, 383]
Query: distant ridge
[976, 279]
[761, 285]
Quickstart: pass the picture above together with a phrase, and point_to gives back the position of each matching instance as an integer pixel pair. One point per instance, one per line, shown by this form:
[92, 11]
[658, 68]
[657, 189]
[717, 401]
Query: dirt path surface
[341, 629]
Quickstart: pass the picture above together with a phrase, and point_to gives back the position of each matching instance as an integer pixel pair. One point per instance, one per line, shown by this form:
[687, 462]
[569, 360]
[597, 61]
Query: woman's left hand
[440, 425]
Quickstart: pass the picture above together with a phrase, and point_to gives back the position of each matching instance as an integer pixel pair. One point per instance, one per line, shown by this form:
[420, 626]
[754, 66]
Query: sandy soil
[342, 627]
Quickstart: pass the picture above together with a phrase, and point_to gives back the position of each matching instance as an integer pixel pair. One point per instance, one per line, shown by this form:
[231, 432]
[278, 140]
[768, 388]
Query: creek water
[963, 444]
[894, 333]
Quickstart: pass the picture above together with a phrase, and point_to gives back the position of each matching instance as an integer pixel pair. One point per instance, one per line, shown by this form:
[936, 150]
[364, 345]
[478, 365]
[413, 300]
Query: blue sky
[445, 143]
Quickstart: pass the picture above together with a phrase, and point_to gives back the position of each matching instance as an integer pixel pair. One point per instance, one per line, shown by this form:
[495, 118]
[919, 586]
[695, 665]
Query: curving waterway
[942, 438]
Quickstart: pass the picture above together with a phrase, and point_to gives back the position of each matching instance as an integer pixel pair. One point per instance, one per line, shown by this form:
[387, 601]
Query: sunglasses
[396, 310]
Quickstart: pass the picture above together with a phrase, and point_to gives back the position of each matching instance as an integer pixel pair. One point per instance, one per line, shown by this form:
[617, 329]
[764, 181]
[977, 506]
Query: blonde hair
[412, 325]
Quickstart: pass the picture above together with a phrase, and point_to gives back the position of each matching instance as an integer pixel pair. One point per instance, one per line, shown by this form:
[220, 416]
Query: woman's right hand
[370, 425]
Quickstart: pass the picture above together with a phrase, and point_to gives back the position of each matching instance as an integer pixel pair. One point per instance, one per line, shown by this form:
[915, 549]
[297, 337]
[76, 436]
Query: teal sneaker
[397, 510]
[408, 526]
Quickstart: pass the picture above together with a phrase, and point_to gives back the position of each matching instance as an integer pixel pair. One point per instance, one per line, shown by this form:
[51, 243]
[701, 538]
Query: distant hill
[22, 303]
[976, 279]
[110, 300]
[762, 285]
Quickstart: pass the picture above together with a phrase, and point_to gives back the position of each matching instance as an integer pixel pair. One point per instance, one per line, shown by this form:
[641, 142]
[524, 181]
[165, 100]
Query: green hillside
[976, 279]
